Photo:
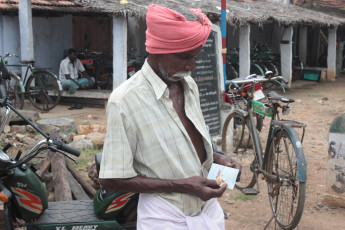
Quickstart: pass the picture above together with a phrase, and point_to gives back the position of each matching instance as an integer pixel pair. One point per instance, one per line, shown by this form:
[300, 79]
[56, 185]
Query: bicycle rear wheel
[286, 193]
[15, 92]
[256, 69]
[43, 90]
[231, 73]
[237, 143]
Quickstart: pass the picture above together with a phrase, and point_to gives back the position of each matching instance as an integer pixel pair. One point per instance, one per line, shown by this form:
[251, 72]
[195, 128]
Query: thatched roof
[239, 13]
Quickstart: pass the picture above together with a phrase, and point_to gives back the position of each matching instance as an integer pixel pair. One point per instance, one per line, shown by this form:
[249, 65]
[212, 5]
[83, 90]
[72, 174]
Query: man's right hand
[201, 187]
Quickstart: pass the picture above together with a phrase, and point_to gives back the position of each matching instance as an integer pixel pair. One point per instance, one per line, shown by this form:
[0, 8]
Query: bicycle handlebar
[257, 79]
[66, 148]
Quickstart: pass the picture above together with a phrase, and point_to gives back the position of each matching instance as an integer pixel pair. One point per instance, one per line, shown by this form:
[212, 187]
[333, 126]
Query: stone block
[18, 129]
[60, 125]
[85, 129]
[78, 137]
[96, 138]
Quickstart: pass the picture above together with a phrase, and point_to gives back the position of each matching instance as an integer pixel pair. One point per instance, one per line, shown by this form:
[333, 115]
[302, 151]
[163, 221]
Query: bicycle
[40, 86]
[282, 164]
[234, 67]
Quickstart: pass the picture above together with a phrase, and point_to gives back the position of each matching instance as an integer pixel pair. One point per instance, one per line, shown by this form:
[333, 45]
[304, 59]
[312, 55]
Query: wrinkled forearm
[197, 186]
[141, 184]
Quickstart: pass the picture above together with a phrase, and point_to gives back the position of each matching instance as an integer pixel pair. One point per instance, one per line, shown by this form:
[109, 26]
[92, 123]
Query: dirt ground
[316, 105]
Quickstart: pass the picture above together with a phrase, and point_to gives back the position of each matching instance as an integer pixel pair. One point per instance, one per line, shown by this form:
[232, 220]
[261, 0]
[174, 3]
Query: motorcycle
[99, 66]
[25, 196]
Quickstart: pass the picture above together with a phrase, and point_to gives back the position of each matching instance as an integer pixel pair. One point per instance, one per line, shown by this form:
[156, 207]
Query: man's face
[72, 57]
[174, 67]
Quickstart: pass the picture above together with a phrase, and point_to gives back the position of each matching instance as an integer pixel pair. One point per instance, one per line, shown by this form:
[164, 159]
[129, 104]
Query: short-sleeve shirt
[67, 67]
[145, 135]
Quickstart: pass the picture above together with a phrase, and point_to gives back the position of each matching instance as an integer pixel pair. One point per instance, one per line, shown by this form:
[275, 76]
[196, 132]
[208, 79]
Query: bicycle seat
[27, 62]
[275, 96]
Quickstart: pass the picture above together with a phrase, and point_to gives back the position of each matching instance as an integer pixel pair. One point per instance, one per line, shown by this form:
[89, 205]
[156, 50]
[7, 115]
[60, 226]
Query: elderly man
[157, 143]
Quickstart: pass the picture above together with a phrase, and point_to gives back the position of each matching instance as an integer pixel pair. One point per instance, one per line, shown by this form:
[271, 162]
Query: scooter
[25, 196]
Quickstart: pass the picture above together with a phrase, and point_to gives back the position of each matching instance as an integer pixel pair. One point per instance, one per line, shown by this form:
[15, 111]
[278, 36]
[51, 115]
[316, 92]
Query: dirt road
[316, 105]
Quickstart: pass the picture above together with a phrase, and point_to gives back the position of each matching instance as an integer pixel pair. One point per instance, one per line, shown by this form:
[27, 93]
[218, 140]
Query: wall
[51, 37]
[9, 37]
[93, 34]
[136, 39]
[268, 34]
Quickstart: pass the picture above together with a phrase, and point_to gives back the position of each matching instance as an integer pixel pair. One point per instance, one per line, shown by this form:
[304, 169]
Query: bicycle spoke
[44, 91]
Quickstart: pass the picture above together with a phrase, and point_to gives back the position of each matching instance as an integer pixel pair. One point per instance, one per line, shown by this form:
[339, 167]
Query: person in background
[69, 70]
[157, 143]
[70, 67]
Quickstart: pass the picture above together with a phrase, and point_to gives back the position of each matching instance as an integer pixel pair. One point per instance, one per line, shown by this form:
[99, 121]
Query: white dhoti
[157, 213]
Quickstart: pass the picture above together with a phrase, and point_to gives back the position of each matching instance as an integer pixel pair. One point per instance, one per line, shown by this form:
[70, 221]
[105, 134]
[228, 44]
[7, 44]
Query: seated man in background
[69, 73]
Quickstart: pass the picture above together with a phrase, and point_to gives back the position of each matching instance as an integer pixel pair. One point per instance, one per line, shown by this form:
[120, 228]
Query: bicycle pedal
[250, 191]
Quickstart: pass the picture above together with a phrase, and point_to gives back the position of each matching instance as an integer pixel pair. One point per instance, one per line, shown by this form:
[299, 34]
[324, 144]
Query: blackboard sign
[206, 77]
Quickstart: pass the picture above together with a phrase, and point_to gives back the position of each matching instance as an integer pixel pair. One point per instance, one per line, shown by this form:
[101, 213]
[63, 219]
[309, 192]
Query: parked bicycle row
[262, 59]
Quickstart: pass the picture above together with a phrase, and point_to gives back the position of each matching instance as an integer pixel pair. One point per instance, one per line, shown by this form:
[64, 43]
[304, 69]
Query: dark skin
[72, 57]
[197, 185]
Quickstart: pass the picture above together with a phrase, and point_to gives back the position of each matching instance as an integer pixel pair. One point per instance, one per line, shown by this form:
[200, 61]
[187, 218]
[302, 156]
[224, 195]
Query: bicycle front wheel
[15, 92]
[237, 143]
[43, 90]
[286, 193]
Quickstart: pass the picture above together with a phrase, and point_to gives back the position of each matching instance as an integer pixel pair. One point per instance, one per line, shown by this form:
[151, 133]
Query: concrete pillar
[244, 42]
[286, 53]
[2, 36]
[331, 56]
[302, 52]
[25, 29]
[119, 50]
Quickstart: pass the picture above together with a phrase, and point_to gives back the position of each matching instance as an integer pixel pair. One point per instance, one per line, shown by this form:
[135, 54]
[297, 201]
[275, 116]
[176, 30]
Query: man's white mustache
[182, 74]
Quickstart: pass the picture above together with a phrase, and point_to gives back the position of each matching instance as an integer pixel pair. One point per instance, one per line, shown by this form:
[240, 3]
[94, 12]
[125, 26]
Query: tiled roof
[336, 4]
[332, 7]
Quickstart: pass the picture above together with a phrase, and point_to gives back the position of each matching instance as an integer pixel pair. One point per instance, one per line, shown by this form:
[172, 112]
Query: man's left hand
[227, 161]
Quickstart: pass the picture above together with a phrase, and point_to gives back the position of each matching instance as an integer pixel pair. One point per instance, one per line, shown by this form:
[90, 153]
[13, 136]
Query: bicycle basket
[261, 108]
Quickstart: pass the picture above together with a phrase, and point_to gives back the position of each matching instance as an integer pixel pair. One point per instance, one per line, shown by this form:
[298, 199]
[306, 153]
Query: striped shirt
[146, 137]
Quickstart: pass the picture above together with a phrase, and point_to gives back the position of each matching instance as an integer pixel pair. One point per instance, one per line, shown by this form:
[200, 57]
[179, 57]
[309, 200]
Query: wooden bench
[92, 96]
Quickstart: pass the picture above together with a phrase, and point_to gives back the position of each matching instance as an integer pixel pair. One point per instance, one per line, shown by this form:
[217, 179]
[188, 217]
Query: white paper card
[258, 94]
[223, 174]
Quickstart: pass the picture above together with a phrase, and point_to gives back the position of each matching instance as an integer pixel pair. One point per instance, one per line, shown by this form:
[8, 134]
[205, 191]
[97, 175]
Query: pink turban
[169, 32]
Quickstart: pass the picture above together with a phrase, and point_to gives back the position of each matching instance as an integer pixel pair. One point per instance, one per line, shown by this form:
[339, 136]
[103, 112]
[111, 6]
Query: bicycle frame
[275, 124]
[26, 75]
